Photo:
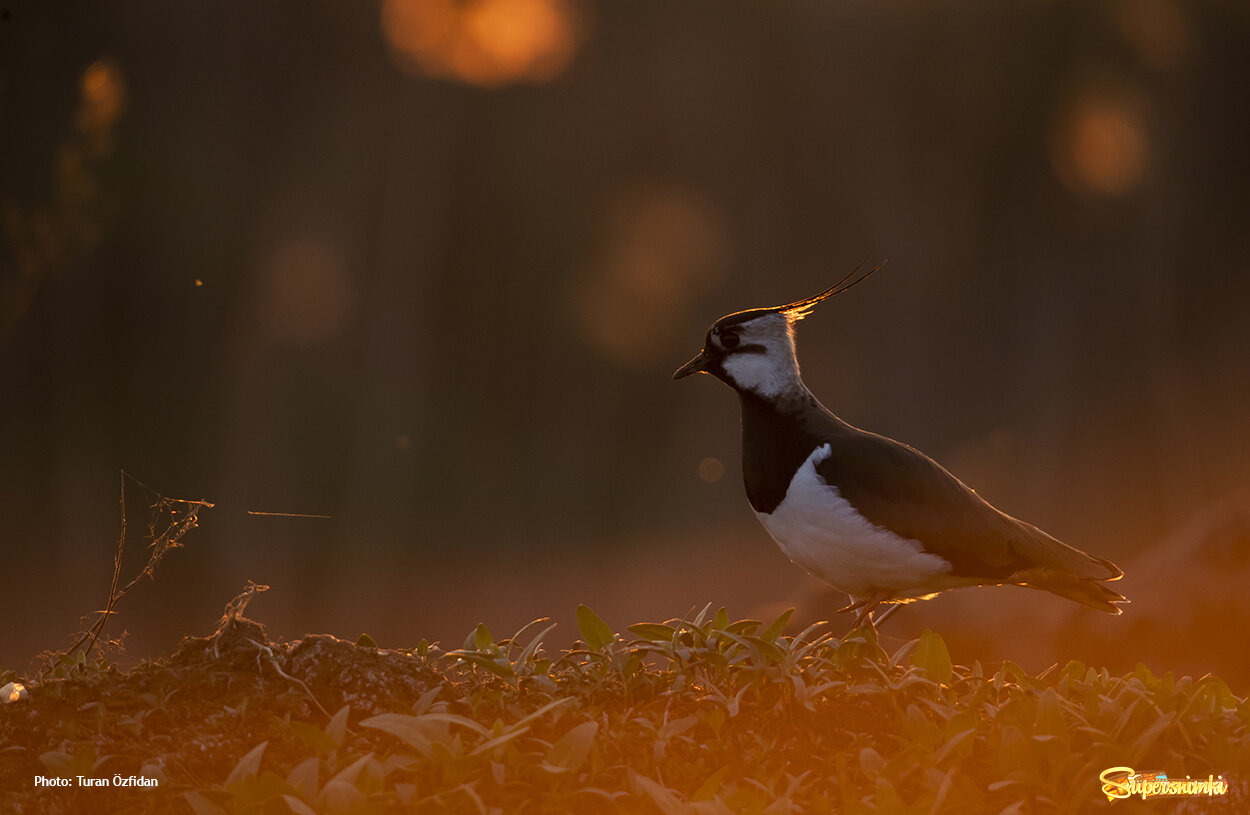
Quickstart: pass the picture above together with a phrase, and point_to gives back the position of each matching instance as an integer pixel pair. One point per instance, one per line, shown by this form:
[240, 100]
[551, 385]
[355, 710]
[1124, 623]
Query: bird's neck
[778, 434]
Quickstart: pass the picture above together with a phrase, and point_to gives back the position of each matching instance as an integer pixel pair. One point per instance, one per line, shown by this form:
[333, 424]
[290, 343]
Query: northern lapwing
[872, 517]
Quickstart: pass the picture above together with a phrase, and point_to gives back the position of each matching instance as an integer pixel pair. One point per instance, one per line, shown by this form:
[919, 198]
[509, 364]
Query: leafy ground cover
[698, 715]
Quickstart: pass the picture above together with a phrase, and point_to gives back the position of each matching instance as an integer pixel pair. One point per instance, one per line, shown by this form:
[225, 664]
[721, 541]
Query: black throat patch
[775, 442]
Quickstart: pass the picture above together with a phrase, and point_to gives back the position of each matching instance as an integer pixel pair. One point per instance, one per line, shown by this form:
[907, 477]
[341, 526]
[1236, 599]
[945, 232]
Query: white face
[758, 355]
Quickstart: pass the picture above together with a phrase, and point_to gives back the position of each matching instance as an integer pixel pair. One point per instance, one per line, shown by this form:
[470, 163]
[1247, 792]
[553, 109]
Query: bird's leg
[885, 614]
[865, 607]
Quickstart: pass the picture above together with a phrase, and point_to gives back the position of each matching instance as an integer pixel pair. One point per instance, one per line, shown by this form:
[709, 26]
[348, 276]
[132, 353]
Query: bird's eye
[729, 339]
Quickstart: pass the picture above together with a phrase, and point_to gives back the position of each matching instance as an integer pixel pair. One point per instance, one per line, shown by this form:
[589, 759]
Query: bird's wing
[901, 489]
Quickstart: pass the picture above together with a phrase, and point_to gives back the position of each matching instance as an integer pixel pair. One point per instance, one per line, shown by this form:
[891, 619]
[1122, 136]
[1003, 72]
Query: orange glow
[1099, 144]
[662, 247]
[103, 102]
[484, 42]
[711, 470]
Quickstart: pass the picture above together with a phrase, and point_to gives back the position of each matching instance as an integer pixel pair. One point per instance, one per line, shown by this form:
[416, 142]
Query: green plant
[709, 714]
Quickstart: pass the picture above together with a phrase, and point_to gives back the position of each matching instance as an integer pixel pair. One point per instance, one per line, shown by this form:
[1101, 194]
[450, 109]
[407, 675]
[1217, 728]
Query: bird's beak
[694, 366]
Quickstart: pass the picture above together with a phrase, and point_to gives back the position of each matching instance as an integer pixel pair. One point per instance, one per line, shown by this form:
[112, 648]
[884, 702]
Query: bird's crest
[801, 308]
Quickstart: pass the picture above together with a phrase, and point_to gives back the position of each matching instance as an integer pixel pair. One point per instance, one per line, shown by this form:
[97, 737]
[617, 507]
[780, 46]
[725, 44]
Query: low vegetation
[699, 715]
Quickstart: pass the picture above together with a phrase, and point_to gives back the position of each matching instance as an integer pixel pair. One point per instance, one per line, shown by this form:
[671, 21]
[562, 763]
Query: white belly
[822, 533]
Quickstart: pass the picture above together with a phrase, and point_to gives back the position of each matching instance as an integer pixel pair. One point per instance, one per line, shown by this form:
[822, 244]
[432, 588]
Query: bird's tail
[1086, 591]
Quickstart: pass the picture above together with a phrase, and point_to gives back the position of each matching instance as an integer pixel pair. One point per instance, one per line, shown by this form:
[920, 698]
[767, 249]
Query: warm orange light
[662, 246]
[103, 100]
[711, 470]
[1099, 144]
[484, 42]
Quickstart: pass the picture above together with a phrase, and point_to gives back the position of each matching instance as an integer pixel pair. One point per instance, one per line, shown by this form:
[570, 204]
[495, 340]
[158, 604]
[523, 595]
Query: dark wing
[903, 490]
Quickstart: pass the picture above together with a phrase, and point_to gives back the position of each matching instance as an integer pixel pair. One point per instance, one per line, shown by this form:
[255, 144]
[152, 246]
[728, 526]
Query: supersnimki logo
[1125, 782]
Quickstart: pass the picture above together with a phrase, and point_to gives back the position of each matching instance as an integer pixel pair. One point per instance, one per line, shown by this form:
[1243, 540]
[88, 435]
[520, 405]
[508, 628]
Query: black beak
[694, 366]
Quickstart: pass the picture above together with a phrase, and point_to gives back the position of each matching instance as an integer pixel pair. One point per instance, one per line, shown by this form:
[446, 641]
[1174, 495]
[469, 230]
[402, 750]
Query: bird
[874, 518]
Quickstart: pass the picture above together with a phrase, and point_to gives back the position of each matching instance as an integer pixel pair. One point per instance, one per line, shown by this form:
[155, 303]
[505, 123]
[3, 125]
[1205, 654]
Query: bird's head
[754, 350]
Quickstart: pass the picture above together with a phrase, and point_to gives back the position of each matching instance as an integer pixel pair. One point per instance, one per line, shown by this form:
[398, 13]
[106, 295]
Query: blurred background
[426, 266]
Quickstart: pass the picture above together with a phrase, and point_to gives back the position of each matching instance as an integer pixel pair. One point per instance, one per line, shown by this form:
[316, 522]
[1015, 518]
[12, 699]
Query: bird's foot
[865, 607]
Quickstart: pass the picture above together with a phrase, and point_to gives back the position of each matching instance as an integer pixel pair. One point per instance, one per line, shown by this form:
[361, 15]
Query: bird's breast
[822, 533]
